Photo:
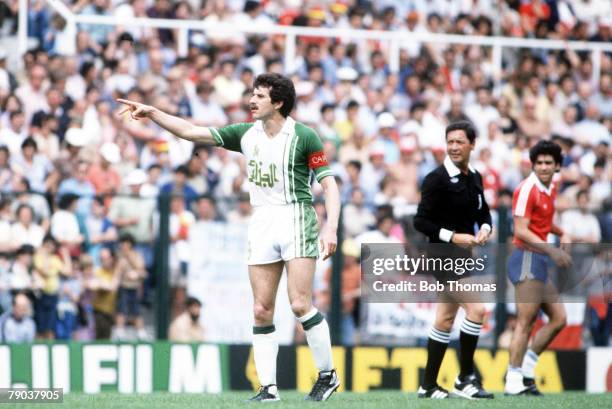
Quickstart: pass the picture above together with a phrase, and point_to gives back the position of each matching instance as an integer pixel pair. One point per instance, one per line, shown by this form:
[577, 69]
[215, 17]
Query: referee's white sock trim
[470, 327]
[438, 335]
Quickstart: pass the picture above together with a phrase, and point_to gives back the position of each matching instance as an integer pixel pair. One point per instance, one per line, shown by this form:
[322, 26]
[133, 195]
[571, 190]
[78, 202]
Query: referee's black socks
[436, 347]
[468, 339]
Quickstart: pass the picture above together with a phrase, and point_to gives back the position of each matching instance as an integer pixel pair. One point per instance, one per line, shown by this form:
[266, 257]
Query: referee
[452, 203]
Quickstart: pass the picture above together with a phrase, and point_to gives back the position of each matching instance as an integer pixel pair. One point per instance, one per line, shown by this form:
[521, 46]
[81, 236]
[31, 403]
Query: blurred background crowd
[79, 182]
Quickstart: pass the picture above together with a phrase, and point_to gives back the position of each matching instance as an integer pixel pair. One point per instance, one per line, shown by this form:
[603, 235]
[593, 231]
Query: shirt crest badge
[454, 179]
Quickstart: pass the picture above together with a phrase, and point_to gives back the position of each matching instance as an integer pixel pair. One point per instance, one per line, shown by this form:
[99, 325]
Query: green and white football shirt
[278, 168]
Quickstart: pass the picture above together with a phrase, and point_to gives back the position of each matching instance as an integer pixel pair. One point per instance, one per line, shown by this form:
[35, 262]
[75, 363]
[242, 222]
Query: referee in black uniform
[452, 203]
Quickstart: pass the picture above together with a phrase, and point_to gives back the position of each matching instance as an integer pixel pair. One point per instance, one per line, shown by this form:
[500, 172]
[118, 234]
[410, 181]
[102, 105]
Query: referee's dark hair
[546, 148]
[281, 90]
[464, 126]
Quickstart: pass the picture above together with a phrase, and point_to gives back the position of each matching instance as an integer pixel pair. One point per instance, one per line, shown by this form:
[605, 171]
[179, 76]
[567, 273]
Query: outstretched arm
[179, 127]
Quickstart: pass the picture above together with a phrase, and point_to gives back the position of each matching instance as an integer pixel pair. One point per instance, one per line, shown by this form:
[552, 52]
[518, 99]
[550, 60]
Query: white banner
[599, 370]
[218, 276]
[411, 320]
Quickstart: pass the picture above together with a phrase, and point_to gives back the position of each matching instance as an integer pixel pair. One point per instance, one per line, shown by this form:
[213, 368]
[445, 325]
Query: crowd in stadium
[79, 181]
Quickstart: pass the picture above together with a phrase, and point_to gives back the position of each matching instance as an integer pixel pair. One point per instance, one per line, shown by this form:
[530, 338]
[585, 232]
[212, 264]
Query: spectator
[357, 217]
[99, 33]
[86, 330]
[19, 274]
[16, 326]
[579, 224]
[388, 137]
[32, 94]
[25, 230]
[150, 188]
[529, 124]
[14, 134]
[181, 221]
[228, 89]
[67, 306]
[243, 211]
[131, 273]
[187, 327]
[589, 131]
[65, 225]
[456, 112]
[133, 215]
[21, 189]
[47, 268]
[405, 172]
[46, 137]
[80, 186]
[6, 244]
[104, 286]
[103, 176]
[482, 112]
[6, 173]
[206, 209]
[179, 186]
[206, 110]
[71, 155]
[100, 231]
[355, 148]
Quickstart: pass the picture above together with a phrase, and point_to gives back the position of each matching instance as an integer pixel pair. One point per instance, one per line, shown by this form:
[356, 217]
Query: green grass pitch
[290, 399]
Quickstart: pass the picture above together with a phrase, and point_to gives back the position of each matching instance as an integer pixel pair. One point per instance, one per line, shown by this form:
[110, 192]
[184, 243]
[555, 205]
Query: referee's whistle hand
[483, 236]
[467, 241]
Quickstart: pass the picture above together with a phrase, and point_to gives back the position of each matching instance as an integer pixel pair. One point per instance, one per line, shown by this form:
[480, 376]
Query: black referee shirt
[451, 202]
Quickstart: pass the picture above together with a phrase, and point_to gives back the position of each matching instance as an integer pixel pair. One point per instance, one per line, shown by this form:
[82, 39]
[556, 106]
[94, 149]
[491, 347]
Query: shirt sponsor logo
[260, 176]
[317, 159]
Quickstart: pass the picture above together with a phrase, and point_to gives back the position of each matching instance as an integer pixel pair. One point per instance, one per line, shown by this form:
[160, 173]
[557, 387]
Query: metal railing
[394, 39]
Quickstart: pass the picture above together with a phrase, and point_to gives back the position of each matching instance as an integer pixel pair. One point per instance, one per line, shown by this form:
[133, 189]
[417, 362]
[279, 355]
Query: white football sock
[265, 351]
[530, 360]
[317, 335]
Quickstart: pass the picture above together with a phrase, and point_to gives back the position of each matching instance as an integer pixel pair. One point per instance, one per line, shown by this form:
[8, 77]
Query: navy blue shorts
[528, 265]
[128, 303]
[45, 312]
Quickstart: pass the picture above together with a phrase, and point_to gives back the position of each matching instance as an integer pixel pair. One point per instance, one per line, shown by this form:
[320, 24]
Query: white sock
[265, 351]
[317, 335]
[530, 360]
[514, 373]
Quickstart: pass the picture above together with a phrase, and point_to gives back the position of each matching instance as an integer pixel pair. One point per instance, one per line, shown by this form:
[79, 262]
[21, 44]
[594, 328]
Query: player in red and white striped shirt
[533, 208]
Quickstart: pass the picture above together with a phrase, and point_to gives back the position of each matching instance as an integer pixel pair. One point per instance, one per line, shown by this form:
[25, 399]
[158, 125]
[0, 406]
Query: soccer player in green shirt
[280, 154]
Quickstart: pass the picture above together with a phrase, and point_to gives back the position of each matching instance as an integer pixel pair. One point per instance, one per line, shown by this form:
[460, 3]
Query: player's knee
[523, 325]
[445, 323]
[300, 307]
[476, 313]
[559, 321]
[263, 313]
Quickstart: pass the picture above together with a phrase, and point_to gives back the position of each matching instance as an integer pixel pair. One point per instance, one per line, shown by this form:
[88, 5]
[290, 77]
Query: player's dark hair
[465, 126]
[546, 148]
[281, 90]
